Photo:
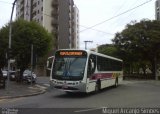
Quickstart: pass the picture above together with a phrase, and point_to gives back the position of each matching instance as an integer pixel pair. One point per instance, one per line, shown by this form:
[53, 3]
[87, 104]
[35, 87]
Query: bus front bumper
[68, 86]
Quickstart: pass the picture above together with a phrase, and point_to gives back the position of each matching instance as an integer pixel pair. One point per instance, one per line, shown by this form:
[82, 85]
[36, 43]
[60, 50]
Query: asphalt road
[131, 94]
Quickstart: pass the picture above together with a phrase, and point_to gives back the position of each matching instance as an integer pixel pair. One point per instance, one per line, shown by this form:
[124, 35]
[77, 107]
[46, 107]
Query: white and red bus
[84, 71]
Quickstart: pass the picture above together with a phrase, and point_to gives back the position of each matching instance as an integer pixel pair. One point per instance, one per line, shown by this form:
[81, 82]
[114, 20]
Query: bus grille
[66, 88]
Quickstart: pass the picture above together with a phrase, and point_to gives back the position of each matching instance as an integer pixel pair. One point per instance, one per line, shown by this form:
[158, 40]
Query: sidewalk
[16, 90]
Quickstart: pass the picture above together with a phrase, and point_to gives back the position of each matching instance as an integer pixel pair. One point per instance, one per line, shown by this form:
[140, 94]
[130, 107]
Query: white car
[11, 74]
[4, 74]
[27, 76]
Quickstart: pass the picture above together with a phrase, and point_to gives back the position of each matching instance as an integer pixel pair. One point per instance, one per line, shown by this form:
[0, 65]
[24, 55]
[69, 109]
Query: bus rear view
[68, 70]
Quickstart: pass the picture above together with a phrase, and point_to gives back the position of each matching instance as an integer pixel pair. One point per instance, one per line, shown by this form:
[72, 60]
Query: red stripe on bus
[101, 76]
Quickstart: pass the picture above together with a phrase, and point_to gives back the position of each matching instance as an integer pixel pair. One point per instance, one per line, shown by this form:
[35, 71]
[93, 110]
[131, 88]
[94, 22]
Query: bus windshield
[69, 68]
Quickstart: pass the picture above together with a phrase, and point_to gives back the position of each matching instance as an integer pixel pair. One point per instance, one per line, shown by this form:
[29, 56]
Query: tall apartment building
[38, 10]
[76, 39]
[58, 16]
[157, 10]
[65, 23]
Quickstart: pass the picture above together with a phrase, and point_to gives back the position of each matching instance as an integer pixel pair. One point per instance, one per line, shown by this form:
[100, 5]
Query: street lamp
[10, 38]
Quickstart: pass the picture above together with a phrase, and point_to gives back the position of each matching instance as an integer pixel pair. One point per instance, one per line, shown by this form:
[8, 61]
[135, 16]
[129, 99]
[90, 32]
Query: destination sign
[71, 53]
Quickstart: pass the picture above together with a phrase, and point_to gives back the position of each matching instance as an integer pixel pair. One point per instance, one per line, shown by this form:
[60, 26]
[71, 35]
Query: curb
[42, 91]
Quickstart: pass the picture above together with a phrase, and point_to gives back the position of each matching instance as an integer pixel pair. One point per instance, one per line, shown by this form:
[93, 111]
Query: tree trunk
[154, 68]
[1, 74]
[144, 71]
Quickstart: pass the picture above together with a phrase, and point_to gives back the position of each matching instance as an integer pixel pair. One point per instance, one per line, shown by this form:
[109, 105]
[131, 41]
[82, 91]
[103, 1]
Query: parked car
[11, 74]
[4, 73]
[27, 76]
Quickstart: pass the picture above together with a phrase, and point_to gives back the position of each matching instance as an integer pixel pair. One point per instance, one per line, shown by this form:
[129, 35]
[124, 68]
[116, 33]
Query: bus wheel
[116, 83]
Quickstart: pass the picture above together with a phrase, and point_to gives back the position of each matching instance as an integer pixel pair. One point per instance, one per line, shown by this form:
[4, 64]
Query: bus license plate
[64, 86]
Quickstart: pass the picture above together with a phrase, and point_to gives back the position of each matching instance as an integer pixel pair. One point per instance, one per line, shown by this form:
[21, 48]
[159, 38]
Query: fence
[138, 76]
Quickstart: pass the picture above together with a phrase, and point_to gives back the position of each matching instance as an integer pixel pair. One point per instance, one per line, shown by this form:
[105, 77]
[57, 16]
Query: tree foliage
[24, 34]
[140, 43]
[108, 49]
[3, 46]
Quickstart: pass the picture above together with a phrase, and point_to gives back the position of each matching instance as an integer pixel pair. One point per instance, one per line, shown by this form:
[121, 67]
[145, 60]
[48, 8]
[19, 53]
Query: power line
[129, 14]
[97, 30]
[5, 2]
[84, 26]
[117, 15]
[122, 6]
[124, 2]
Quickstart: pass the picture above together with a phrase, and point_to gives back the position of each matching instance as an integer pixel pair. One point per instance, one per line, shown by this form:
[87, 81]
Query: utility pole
[31, 63]
[86, 43]
[10, 38]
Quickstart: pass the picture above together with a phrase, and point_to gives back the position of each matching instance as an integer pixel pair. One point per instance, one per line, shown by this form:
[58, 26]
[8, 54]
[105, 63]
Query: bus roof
[92, 52]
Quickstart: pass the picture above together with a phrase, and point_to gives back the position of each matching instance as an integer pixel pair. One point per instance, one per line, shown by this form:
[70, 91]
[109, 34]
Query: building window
[157, 3]
[158, 16]
[34, 5]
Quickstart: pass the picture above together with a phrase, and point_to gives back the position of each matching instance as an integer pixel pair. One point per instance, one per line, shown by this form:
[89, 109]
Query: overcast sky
[93, 12]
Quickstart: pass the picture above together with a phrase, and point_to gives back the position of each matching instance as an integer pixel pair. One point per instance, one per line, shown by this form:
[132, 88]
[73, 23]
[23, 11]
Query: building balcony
[22, 15]
[34, 1]
[54, 22]
[22, 2]
[33, 13]
[54, 12]
[54, 3]
[22, 8]
[70, 31]
[55, 30]
[70, 8]
[34, 5]
[70, 16]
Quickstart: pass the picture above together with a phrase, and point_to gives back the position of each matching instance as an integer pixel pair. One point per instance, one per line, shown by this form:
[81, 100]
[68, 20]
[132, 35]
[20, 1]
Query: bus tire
[98, 86]
[116, 83]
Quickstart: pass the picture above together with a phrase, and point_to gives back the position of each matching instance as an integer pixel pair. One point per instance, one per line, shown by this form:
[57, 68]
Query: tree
[24, 34]
[108, 49]
[140, 43]
[3, 47]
